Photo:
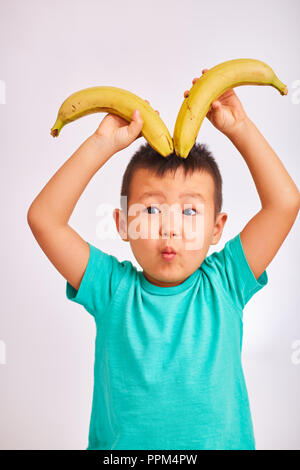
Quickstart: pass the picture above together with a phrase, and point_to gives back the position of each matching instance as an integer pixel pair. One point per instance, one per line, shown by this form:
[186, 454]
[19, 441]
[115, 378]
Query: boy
[168, 371]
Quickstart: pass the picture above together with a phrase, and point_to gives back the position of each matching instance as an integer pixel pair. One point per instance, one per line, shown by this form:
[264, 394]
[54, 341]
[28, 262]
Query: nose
[166, 234]
[170, 228]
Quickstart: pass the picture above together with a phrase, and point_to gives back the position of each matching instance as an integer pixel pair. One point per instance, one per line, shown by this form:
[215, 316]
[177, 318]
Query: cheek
[194, 232]
[143, 227]
[144, 248]
[194, 224]
[150, 227]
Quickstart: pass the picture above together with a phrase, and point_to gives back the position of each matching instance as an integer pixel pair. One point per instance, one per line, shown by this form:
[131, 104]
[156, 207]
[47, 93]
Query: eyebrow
[160, 194]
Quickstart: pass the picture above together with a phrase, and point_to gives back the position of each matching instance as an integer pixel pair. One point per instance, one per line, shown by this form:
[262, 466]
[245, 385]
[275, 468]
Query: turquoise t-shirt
[167, 371]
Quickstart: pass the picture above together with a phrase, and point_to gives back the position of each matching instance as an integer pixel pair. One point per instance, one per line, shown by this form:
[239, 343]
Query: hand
[226, 113]
[117, 132]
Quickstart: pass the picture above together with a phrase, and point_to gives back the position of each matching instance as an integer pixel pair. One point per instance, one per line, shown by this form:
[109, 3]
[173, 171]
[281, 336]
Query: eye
[154, 207]
[190, 209]
[150, 207]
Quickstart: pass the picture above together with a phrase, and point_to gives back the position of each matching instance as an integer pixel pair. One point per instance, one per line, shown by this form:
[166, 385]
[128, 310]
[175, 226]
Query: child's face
[169, 219]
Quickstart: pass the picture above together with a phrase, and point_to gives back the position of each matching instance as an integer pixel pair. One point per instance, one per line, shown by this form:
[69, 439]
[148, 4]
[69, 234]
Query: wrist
[104, 145]
[239, 130]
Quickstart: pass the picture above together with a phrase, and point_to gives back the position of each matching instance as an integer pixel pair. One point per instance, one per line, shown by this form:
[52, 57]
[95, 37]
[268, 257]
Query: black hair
[198, 159]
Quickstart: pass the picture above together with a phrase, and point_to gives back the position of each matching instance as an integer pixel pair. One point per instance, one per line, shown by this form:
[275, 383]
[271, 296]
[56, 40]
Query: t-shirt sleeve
[232, 268]
[101, 279]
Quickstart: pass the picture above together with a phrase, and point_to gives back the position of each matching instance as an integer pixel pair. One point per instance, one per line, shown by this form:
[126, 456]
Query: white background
[154, 49]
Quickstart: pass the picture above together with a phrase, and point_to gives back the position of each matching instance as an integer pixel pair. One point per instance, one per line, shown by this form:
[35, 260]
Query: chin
[167, 279]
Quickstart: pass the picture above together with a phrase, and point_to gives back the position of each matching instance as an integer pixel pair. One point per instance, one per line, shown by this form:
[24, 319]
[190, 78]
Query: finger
[149, 104]
[216, 104]
[136, 124]
[186, 93]
[197, 78]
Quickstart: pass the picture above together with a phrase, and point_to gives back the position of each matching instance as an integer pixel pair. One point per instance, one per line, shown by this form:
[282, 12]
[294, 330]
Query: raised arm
[280, 199]
[51, 210]
[49, 213]
[263, 235]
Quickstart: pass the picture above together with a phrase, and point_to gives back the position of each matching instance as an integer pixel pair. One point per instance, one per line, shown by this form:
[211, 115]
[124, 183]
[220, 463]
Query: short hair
[198, 159]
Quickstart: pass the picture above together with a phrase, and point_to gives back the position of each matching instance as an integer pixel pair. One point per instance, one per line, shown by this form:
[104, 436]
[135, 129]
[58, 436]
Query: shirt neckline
[159, 290]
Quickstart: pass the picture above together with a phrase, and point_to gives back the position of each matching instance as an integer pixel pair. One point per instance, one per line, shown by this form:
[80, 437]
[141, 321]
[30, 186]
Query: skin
[181, 221]
[227, 115]
[261, 238]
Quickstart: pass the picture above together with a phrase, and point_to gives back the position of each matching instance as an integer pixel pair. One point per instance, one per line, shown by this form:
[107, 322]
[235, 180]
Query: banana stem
[56, 128]
[280, 86]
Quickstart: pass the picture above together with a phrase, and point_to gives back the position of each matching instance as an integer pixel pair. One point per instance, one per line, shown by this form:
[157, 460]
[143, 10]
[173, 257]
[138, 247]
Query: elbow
[38, 220]
[295, 202]
[29, 216]
[32, 217]
[291, 203]
[30, 220]
[298, 202]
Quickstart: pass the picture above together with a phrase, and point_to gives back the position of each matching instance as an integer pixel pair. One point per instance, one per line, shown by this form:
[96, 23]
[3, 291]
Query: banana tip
[285, 91]
[54, 132]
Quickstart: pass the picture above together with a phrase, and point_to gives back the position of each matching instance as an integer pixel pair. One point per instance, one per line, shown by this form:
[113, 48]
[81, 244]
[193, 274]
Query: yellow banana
[109, 99]
[209, 87]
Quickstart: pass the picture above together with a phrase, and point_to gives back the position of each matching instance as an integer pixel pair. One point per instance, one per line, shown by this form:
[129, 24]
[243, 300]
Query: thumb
[136, 124]
[216, 105]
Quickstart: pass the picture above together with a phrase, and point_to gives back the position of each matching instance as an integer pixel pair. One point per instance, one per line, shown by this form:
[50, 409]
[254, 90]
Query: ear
[219, 226]
[121, 223]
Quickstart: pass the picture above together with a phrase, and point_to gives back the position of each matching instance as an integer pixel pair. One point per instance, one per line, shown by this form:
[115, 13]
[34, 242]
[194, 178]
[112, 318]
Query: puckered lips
[168, 249]
[168, 253]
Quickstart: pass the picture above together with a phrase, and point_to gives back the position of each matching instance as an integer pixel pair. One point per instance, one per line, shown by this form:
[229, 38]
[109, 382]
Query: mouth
[168, 254]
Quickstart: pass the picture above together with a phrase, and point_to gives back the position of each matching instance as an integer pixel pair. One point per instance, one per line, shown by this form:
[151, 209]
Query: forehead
[172, 184]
